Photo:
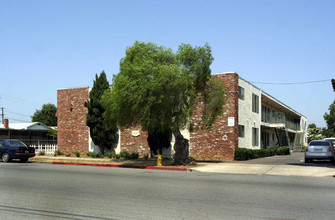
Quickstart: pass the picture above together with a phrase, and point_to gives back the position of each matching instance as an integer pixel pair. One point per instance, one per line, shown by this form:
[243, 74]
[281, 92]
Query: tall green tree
[330, 117]
[330, 120]
[47, 115]
[102, 134]
[157, 89]
[327, 132]
[313, 125]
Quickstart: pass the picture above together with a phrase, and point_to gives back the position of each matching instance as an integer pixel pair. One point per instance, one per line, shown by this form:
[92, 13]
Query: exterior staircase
[282, 136]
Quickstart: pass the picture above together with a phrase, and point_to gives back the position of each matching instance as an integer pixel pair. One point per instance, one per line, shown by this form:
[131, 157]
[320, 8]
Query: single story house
[31, 133]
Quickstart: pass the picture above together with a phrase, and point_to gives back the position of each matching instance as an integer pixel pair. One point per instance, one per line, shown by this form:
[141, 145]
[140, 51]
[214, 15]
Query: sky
[46, 45]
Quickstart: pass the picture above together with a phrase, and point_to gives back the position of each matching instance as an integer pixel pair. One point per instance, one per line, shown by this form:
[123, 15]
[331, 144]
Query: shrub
[111, 155]
[117, 156]
[58, 153]
[146, 156]
[91, 154]
[133, 155]
[247, 154]
[94, 155]
[77, 154]
[284, 150]
[303, 149]
[41, 153]
[125, 154]
[99, 155]
[192, 158]
[244, 154]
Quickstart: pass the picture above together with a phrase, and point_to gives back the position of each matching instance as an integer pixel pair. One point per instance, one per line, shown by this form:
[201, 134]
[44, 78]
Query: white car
[319, 149]
[331, 140]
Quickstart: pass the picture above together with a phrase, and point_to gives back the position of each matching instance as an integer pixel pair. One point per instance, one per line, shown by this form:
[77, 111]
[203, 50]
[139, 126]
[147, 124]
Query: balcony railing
[279, 118]
[292, 125]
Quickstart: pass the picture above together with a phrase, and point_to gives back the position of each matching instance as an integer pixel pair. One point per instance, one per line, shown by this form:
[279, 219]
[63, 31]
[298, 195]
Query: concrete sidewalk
[289, 165]
[261, 169]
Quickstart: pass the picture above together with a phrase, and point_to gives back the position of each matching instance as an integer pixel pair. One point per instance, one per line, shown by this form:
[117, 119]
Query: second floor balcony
[279, 119]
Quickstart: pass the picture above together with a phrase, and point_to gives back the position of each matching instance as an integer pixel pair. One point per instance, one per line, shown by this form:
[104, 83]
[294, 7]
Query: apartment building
[266, 122]
[251, 119]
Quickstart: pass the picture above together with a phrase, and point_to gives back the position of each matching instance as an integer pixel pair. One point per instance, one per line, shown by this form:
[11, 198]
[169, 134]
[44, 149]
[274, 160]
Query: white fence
[48, 149]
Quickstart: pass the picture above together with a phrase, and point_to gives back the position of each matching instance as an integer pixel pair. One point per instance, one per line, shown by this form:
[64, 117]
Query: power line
[17, 120]
[18, 114]
[295, 83]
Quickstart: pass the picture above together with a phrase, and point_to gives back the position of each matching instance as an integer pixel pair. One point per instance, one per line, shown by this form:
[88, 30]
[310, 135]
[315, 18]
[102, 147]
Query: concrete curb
[122, 166]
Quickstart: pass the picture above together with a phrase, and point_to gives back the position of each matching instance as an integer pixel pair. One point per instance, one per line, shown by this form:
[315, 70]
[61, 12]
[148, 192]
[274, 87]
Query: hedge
[247, 154]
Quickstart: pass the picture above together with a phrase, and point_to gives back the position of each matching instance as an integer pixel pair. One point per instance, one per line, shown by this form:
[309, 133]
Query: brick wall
[220, 142]
[73, 134]
[134, 139]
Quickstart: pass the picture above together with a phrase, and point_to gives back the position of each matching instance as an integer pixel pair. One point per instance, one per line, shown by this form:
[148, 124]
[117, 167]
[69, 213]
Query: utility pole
[2, 114]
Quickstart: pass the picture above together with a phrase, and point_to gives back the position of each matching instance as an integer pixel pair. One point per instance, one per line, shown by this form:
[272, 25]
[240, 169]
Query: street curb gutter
[122, 166]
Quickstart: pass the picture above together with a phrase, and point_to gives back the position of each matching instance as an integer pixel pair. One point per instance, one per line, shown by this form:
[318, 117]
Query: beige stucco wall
[247, 117]
[303, 126]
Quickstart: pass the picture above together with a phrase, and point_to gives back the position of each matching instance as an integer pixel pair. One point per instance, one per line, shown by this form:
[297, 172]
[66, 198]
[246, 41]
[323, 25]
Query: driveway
[295, 158]
[288, 165]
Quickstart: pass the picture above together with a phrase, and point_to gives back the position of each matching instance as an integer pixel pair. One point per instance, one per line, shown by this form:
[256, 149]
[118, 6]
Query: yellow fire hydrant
[159, 160]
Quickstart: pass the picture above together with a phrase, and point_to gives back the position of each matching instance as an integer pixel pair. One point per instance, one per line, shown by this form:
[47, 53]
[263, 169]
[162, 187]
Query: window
[241, 131]
[320, 143]
[16, 143]
[241, 93]
[255, 138]
[255, 103]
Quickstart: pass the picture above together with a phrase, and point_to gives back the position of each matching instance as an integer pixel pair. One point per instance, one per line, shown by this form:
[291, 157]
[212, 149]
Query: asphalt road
[45, 191]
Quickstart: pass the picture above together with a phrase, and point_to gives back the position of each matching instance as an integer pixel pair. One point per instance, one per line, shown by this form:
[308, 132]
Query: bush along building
[251, 119]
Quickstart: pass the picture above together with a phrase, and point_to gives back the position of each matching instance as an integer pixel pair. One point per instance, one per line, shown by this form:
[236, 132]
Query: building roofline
[251, 84]
[38, 123]
[288, 107]
[83, 87]
[24, 126]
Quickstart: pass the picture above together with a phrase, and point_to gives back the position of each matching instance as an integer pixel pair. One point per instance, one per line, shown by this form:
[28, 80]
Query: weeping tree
[103, 134]
[157, 89]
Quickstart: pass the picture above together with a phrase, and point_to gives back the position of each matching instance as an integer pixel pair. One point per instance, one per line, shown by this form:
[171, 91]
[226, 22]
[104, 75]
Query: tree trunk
[102, 150]
[181, 148]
